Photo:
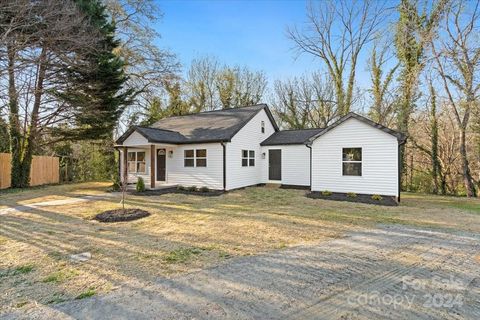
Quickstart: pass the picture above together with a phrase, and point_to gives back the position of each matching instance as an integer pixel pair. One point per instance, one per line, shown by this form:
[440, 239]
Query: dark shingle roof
[290, 137]
[210, 126]
[160, 135]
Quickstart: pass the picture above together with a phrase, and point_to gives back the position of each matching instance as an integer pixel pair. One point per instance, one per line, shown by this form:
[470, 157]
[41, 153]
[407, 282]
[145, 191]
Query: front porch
[148, 162]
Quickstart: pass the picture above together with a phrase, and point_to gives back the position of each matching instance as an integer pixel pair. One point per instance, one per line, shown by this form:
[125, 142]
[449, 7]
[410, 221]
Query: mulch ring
[118, 215]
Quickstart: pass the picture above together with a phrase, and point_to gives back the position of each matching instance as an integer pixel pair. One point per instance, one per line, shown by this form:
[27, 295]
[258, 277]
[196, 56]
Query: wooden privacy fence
[44, 170]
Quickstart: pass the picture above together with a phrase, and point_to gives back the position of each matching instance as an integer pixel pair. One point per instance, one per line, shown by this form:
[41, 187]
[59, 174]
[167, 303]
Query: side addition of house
[236, 148]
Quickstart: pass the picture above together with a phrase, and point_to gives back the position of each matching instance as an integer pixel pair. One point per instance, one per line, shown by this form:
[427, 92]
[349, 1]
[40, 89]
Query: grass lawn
[184, 233]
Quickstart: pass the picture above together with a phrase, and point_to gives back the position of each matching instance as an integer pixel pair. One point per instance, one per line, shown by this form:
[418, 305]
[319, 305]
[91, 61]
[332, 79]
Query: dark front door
[161, 159]
[275, 164]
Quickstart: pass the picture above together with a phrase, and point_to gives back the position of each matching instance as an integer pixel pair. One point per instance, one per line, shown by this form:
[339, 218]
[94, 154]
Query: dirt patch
[119, 215]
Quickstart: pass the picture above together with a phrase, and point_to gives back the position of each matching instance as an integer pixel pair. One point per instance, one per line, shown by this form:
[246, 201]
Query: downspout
[309, 146]
[399, 165]
[224, 145]
[399, 171]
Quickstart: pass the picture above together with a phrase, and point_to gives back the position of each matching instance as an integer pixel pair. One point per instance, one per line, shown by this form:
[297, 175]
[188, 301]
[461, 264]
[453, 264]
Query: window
[136, 162]
[195, 158]
[248, 158]
[263, 126]
[201, 157]
[251, 159]
[189, 158]
[352, 162]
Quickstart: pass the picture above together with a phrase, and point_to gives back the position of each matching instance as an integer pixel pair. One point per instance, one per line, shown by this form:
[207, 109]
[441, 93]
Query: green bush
[351, 195]
[377, 197]
[181, 188]
[192, 188]
[326, 193]
[140, 185]
[204, 189]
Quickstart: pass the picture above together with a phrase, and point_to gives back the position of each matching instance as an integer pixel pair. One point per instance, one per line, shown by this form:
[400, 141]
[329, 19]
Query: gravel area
[391, 272]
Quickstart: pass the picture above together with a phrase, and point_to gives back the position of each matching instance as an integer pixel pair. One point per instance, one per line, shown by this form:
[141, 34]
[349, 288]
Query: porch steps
[273, 185]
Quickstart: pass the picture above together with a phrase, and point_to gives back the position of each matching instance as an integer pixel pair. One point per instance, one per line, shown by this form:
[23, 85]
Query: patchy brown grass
[183, 233]
[12, 197]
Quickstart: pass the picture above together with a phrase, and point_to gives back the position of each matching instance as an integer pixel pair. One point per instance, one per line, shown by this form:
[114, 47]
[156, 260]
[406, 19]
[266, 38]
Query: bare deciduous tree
[147, 65]
[336, 32]
[201, 83]
[457, 57]
[211, 86]
[383, 95]
[305, 102]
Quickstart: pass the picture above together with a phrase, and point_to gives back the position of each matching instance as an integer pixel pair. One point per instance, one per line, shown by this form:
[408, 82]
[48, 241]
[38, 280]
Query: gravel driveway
[391, 272]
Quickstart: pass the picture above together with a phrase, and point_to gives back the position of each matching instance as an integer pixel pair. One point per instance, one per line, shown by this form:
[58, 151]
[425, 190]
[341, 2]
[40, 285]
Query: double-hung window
[248, 158]
[136, 162]
[352, 162]
[195, 158]
[201, 157]
[189, 158]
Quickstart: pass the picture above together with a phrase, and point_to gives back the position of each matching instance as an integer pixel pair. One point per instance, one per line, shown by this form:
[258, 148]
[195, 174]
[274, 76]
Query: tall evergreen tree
[67, 47]
[97, 94]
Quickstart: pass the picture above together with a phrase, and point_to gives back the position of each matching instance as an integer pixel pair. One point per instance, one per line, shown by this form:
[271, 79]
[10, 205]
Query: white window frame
[248, 158]
[136, 162]
[262, 130]
[200, 158]
[353, 161]
[195, 158]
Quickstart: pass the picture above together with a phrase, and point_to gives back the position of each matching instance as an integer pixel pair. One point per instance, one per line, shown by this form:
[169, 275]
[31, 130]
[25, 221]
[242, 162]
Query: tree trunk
[436, 167]
[443, 184]
[32, 138]
[15, 134]
[467, 176]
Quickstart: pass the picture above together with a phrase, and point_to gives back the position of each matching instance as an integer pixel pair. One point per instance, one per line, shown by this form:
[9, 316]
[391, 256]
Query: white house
[235, 148]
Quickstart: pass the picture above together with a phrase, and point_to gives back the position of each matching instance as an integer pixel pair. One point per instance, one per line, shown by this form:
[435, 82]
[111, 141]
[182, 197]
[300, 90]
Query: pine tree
[97, 95]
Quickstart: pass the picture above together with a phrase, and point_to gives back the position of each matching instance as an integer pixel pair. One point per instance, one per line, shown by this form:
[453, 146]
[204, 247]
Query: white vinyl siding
[135, 139]
[210, 176]
[295, 164]
[248, 138]
[379, 160]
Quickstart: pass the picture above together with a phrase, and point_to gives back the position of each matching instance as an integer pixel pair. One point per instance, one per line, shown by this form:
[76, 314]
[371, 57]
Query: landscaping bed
[352, 197]
[189, 191]
[119, 215]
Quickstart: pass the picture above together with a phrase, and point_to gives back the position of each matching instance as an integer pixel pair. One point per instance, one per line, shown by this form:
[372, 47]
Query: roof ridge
[302, 129]
[217, 110]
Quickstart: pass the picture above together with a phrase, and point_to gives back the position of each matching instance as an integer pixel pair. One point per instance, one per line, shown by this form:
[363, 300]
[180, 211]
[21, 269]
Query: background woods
[75, 74]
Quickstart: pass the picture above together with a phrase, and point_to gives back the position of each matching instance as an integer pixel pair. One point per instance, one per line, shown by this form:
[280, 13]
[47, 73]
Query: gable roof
[209, 126]
[400, 136]
[286, 137]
